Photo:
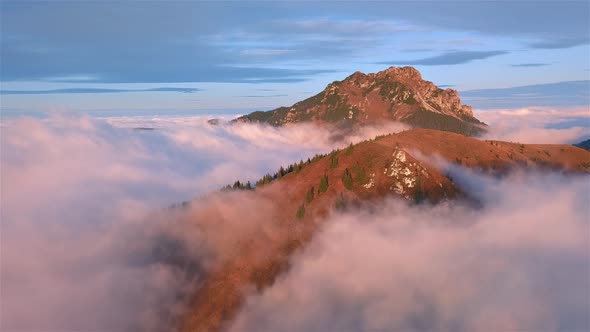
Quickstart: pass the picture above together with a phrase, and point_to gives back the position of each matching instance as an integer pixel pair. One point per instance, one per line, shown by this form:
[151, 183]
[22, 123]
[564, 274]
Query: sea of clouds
[537, 125]
[521, 262]
[88, 241]
[78, 199]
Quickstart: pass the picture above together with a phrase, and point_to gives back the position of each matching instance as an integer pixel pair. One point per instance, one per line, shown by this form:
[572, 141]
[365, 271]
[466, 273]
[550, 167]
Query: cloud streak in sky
[203, 38]
[532, 64]
[94, 90]
[558, 94]
[449, 58]
[559, 43]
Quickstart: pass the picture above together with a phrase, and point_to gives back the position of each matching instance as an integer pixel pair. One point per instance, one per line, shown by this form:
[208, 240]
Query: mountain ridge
[387, 166]
[394, 94]
[583, 144]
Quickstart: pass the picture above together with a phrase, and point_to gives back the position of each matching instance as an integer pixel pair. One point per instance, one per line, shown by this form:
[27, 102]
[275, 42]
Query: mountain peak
[406, 72]
[396, 94]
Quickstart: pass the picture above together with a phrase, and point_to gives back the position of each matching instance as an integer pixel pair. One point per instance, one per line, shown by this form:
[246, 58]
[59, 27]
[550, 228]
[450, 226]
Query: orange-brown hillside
[398, 165]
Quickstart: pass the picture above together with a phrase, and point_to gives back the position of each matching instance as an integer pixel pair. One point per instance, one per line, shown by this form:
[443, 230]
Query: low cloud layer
[94, 90]
[519, 263]
[89, 244]
[547, 125]
[87, 241]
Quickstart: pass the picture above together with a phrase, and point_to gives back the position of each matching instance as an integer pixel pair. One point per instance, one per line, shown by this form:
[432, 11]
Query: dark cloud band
[450, 58]
[94, 90]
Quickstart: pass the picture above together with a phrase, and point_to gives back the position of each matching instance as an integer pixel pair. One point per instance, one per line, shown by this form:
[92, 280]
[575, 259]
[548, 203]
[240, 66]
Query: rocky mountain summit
[395, 94]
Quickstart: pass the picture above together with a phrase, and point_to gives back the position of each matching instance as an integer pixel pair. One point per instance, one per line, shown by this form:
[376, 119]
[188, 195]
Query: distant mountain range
[584, 144]
[302, 194]
[395, 94]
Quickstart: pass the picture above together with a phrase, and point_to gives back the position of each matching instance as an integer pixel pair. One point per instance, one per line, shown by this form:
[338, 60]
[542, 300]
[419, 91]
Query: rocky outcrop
[397, 94]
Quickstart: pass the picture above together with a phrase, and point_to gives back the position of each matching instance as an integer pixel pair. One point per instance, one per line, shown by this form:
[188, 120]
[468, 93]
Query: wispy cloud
[265, 52]
[329, 26]
[537, 124]
[560, 43]
[94, 90]
[449, 58]
[534, 64]
[204, 38]
[568, 93]
[262, 96]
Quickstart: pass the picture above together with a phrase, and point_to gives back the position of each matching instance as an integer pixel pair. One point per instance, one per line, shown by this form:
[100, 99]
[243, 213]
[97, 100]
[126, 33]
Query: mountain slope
[395, 94]
[583, 144]
[392, 165]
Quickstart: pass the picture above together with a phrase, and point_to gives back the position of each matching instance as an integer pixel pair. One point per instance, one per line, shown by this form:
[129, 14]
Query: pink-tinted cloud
[87, 242]
[521, 263]
[536, 124]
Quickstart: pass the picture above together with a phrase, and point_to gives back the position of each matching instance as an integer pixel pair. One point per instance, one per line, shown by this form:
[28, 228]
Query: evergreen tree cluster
[333, 159]
[323, 187]
[347, 179]
[295, 167]
[359, 173]
[420, 195]
[282, 171]
[300, 212]
[238, 186]
[348, 151]
[309, 195]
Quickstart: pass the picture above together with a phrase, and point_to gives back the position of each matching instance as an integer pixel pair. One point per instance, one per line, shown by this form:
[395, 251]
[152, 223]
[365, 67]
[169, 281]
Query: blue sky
[189, 55]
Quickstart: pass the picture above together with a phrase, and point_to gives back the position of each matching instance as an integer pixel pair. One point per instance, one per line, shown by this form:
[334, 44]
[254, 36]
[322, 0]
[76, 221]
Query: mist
[519, 263]
[537, 125]
[88, 240]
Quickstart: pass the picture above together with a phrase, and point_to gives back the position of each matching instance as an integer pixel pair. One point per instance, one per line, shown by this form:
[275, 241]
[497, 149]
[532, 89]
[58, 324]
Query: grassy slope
[260, 258]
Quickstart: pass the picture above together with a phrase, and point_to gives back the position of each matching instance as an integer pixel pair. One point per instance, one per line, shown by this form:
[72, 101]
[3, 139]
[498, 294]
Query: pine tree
[309, 195]
[348, 150]
[323, 187]
[347, 179]
[300, 212]
[419, 195]
[333, 160]
[359, 173]
[280, 173]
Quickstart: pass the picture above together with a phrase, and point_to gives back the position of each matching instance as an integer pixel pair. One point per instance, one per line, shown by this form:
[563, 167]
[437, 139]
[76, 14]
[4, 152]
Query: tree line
[269, 177]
